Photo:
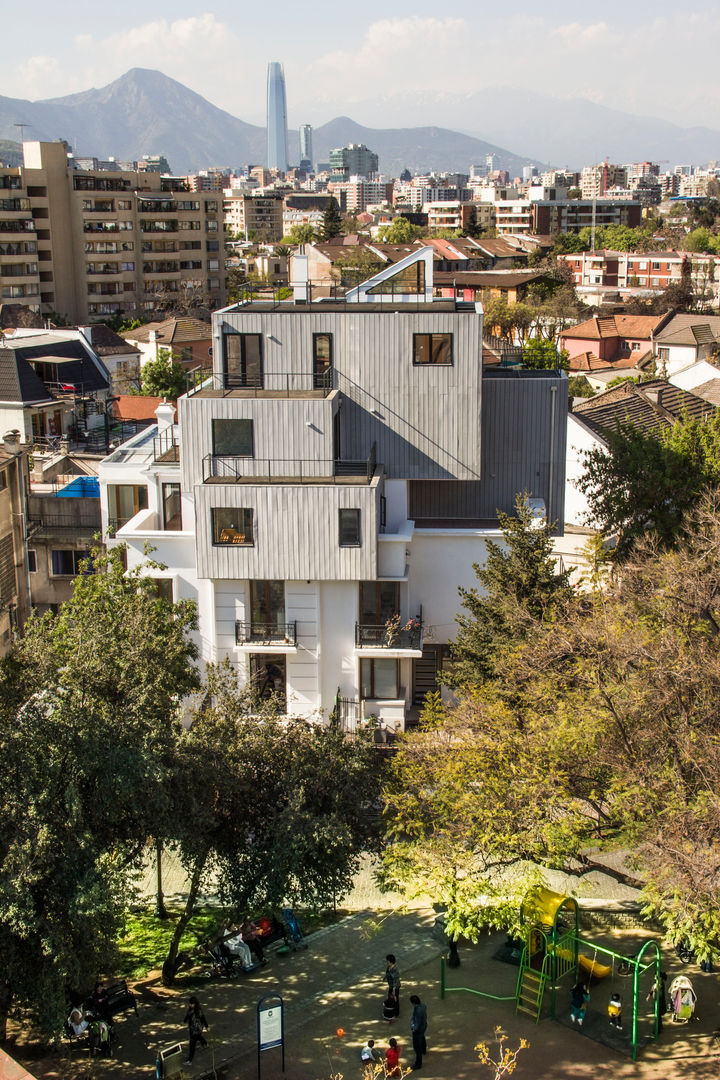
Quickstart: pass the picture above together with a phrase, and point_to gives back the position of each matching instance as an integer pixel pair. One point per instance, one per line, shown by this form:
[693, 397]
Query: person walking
[418, 1027]
[195, 1020]
[392, 977]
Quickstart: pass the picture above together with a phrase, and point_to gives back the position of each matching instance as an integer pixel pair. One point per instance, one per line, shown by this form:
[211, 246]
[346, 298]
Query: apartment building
[450, 215]
[91, 243]
[356, 193]
[649, 270]
[14, 590]
[546, 216]
[596, 179]
[352, 160]
[253, 215]
[327, 490]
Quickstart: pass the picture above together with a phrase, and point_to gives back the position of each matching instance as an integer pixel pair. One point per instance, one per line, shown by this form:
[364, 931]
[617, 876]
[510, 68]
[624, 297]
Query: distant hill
[145, 112]
[10, 153]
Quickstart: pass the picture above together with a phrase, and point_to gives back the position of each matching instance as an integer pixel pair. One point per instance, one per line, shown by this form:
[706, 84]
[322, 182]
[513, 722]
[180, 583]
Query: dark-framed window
[164, 587]
[379, 601]
[379, 678]
[322, 360]
[66, 563]
[171, 508]
[232, 438]
[268, 675]
[3, 480]
[124, 502]
[32, 561]
[349, 532]
[233, 526]
[242, 360]
[267, 603]
[434, 349]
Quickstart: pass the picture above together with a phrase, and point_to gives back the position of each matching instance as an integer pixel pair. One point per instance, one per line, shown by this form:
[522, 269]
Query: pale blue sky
[650, 58]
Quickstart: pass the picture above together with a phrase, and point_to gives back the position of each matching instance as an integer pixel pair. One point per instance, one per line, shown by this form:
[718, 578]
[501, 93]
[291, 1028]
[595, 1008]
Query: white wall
[695, 375]
[441, 561]
[579, 440]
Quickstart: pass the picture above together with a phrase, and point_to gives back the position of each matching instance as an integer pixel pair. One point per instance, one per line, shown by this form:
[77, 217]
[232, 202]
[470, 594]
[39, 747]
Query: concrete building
[277, 153]
[352, 160]
[596, 179]
[87, 244]
[253, 216]
[14, 588]
[340, 474]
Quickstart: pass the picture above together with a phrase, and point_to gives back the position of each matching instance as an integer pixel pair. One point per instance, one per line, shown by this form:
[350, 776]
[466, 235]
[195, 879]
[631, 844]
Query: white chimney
[11, 442]
[165, 413]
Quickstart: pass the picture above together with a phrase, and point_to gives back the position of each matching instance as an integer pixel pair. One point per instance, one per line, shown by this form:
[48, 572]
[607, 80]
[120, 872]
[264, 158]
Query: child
[615, 1011]
[392, 1059]
[369, 1054]
[579, 998]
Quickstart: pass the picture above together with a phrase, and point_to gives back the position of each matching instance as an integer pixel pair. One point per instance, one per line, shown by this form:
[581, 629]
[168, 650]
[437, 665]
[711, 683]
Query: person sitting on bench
[233, 943]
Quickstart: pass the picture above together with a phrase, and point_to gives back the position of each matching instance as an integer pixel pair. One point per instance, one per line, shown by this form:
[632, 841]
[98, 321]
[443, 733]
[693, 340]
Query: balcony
[264, 384]
[220, 469]
[166, 448]
[267, 634]
[395, 637]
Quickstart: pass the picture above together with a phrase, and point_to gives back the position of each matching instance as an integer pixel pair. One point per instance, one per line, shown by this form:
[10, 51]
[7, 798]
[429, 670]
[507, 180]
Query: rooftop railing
[266, 382]
[220, 468]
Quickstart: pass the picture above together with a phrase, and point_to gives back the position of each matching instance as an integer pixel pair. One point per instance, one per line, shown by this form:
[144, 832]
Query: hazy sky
[652, 58]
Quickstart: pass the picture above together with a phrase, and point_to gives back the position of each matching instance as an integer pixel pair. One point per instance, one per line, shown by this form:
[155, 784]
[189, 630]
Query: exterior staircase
[530, 990]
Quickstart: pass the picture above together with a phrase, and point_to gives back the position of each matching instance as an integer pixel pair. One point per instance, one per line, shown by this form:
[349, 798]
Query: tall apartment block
[352, 160]
[276, 119]
[89, 243]
[326, 491]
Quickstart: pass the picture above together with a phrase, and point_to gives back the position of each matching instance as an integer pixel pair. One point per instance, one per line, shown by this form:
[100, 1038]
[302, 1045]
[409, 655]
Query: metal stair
[530, 990]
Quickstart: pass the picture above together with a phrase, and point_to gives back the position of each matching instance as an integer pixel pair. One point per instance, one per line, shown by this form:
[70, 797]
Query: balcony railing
[219, 468]
[265, 633]
[166, 448]
[394, 633]
[267, 382]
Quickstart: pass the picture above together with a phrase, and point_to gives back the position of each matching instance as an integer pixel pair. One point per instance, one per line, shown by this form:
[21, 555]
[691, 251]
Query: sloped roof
[18, 381]
[77, 366]
[106, 342]
[588, 361]
[172, 331]
[679, 330]
[135, 407]
[14, 315]
[648, 406]
[709, 390]
[610, 326]
[499, 248]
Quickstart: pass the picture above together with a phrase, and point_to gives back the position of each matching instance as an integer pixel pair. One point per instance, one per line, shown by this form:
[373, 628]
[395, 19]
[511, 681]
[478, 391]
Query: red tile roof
[135, 407]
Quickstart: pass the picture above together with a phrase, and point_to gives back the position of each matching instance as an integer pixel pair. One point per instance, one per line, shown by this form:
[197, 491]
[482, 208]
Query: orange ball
[340, 1032]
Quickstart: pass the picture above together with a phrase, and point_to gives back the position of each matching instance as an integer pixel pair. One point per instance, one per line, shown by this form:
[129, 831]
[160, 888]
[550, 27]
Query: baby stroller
[293, 934]
[220, 959]
[682, 1000]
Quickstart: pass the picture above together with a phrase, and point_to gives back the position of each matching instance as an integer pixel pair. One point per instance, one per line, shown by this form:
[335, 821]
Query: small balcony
[267, 634]
[221, 469]
[269, 384]
[394, 637]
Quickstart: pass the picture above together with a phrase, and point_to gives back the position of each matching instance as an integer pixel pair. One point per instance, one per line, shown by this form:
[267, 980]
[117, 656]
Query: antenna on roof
[22, 130]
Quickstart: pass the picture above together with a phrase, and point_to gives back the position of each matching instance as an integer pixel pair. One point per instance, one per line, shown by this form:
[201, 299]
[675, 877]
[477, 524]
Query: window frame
[429, 346]
[76, 557]
[358, 531]
[166, 494]
[368, 663]
[217, 530]
[232, 420]
[32, 561]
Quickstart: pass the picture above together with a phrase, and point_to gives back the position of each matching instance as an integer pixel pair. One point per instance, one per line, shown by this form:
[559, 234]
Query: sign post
[270, 1026]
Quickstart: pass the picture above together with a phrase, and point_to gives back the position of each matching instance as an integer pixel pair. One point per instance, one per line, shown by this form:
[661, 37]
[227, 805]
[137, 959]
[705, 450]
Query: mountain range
[146, 112]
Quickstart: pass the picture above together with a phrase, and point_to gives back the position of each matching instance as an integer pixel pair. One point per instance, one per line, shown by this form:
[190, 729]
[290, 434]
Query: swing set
[551, 961]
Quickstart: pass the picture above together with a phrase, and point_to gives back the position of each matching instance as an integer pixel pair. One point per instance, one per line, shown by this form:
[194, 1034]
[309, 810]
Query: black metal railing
[394, 633]
[166, 448]
[265, 633]
[267, 382]
[286, 470]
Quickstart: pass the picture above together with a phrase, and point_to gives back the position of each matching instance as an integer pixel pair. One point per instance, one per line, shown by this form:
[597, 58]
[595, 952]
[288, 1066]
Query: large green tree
[88, 726]
[163, 377]
[332, 222]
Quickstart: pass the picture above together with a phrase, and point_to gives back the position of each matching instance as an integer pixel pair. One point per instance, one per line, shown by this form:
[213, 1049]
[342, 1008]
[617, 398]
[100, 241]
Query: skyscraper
[276, 118]
[306, 145]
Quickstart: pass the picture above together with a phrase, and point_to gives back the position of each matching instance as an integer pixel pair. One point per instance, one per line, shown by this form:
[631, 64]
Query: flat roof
[390, 307]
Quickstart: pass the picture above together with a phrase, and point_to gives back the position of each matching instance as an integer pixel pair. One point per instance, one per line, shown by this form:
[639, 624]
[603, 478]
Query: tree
[280, 809]
[578, 386]
[508, 321]
[574, 193]
[519, 581]
[540, 354]
[332, 223]
[648, 481]
[399, 231]
[358, 264]
[299, 234]
[163, 377]
[88, 724]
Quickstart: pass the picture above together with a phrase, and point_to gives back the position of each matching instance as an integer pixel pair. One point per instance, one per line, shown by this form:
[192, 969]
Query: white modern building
[325, 493]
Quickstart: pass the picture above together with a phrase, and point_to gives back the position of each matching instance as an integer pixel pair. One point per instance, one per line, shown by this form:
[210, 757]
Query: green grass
[145, 943]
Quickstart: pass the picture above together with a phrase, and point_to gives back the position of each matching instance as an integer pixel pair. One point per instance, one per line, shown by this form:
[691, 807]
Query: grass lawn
[145, 943]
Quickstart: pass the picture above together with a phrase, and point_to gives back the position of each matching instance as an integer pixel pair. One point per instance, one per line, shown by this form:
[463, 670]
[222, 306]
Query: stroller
[293, 934]
[220, 959]
[682, 1000]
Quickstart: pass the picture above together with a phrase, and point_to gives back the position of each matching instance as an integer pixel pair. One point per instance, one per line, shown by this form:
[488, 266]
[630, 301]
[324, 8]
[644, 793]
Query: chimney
[11, 442]
[86, 332]
[652, 393]
[165, 413]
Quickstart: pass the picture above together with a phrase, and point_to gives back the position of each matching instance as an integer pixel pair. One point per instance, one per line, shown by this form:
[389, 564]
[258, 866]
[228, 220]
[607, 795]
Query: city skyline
[388, 72]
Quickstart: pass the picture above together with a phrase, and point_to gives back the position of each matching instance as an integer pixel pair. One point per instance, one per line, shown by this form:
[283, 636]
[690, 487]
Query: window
[656, 266]
[32, 561]
[242, 359]
[322, 361]
[379, 601]
[411, 281]
[635, 346]
[164, 588]
[432, 349]
[211, 245]
[349, 528]
[171, 508]
[232, 438]
[664, 353]
[232, 525]
[124, 502]
[67, 563]
[379, 678]
[3, 480]
[268, 675]
[267, 605]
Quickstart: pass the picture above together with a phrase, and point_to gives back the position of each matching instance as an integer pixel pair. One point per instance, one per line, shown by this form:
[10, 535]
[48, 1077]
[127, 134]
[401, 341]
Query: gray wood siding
[296, 531]
[424, 419]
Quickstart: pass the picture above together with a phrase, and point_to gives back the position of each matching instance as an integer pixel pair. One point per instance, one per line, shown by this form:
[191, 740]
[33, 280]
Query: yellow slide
[591, 967]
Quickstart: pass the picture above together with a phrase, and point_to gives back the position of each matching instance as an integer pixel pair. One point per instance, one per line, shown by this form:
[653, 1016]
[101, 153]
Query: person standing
[418, 1028]
[579, 998]
[615, 1011]
[392, 977]
[392, 1059]
[195, 1020]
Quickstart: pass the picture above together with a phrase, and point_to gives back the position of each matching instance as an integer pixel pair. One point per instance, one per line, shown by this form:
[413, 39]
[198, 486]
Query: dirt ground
[337, 984]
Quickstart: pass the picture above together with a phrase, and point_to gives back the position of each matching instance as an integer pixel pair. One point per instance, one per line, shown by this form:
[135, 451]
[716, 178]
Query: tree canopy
[163, 377]
[332, 223]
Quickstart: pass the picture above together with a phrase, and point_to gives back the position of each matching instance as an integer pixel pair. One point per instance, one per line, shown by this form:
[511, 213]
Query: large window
[267, 604]
[67, 563]
[232, 438]
[410, 281]
[379, 601]
[268, 676]
[232, 525]
[432, 349]
[171, 507]
[124, 502]
[379, 678]
[322, 361]
[350, 528]
[242, 358]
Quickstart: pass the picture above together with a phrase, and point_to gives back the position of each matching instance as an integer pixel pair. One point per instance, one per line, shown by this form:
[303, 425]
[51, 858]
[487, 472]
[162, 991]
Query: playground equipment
[683, 999]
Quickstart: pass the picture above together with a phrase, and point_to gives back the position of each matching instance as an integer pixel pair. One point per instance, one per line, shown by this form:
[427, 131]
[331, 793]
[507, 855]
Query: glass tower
[306, 144]
[276, 118]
